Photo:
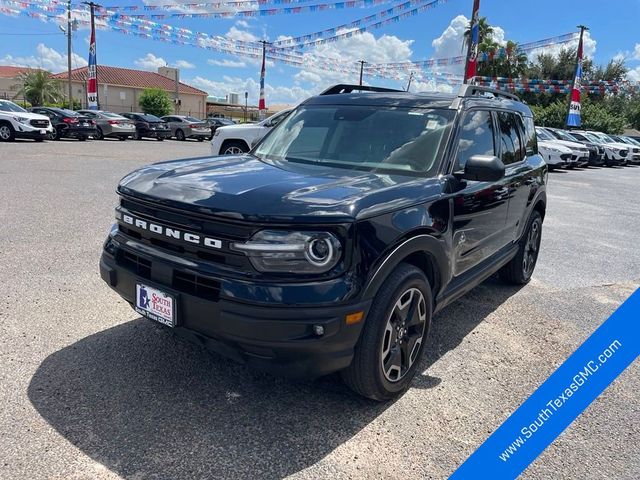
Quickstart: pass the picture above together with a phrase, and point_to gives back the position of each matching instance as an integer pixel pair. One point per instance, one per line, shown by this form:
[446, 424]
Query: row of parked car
[560, 148]
[579, 148]
[53, 123]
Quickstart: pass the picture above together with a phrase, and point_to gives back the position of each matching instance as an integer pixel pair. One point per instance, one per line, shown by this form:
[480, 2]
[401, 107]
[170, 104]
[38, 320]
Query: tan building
[119, 89]
[10, 83]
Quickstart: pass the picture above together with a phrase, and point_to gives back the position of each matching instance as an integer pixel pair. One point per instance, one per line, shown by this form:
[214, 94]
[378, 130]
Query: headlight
[292, 252]
[551, 149]
[21, 119]
[216, 133]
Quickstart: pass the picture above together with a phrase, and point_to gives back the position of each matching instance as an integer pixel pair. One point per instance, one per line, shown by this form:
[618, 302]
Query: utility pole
[246, 105]
[68, 32]
[361, 62]
[410, 78]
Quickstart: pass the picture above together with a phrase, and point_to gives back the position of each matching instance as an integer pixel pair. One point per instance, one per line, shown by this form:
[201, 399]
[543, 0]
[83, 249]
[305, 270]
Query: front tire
[99, 135]
[519, 270]
[180, 135]
[233, 147]
[392, 342]
[7, 133]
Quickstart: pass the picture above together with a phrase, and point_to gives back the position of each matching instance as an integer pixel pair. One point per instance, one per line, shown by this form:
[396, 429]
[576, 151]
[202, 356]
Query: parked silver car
[110, 124]
[183, 127]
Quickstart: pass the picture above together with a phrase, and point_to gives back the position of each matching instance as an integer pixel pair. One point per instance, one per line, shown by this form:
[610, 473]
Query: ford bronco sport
[330, 246]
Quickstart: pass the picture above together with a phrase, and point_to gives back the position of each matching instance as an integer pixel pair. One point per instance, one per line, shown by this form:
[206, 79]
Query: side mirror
[483, 168]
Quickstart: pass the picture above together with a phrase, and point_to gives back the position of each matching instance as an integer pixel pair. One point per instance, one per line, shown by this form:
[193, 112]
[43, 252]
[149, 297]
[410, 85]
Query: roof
[12, 72]
[422, 100]
[128, 77]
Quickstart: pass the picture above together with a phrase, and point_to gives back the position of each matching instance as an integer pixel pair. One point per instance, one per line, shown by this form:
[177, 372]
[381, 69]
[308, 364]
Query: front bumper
[280, 338]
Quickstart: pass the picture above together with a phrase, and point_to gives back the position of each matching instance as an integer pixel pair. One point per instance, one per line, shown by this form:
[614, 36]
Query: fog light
[318, 330]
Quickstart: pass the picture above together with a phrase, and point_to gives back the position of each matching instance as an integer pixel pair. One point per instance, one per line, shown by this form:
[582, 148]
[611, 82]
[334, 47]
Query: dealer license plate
[156, 305]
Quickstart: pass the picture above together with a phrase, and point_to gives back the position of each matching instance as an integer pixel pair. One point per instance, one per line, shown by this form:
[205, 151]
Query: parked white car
[237, 139]
[579, 153]
[555, 155]
[16, 122]
[616, 152]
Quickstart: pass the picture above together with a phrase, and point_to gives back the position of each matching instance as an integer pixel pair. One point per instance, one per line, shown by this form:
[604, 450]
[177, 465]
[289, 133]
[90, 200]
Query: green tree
[156, 102]
[37, 87]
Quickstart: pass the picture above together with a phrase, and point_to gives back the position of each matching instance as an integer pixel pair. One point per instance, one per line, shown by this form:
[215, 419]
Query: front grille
[226, 232]
[196, 285]
[39, 123]
[138, 265]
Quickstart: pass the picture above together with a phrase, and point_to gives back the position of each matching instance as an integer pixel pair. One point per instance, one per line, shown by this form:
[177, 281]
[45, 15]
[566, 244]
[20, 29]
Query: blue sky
[432, 34]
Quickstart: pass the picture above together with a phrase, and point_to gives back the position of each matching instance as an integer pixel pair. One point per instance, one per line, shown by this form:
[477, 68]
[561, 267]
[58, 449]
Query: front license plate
[156, 305]
[43, 132]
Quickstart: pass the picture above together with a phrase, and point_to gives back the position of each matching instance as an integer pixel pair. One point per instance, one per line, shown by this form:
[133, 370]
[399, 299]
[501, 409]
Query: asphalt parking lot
[90, 390]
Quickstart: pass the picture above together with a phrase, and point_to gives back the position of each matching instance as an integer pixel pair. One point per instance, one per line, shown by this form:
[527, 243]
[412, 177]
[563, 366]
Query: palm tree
[485, 32]
[39, 88]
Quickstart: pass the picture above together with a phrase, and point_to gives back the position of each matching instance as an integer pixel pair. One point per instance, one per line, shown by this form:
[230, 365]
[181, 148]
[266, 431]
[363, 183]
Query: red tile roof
[12, 72]
[128, 77]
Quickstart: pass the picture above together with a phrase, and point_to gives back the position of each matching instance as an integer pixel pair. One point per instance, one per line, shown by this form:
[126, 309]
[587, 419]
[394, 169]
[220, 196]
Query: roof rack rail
[468, 90]
[346, 88]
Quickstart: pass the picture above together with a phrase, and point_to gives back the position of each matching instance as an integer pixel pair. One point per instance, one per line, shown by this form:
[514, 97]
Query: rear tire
[122, 139]
[390, 347]
[180, 135]
[520, 269]
[82, 138]
[160, 139]
[99, 135]
[136, 135]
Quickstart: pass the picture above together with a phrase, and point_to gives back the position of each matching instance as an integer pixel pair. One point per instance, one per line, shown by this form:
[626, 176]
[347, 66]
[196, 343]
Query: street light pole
[246, 107]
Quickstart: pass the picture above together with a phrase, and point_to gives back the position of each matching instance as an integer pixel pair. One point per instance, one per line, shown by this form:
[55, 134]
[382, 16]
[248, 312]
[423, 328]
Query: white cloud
[636, 52]
[242, 24]
[633, 75]
[46, 58]
[242, 35]
[150, 62]
[227, 63]
[449, 43]
[274, 94]
[183, 64]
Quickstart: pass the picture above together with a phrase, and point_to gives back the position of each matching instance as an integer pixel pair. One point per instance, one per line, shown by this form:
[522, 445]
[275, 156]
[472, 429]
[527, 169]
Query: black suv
[331, 244]
[148, 126]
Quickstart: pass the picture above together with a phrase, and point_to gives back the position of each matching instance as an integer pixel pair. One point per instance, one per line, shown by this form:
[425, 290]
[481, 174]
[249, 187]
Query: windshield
[6, 106]
[359, 138]
[592, 138]
[543, 134]
[150, 118]
[607, 138]
[564, 136]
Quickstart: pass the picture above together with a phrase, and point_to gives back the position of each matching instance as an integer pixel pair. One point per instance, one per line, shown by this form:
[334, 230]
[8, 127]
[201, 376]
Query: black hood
[244, 187]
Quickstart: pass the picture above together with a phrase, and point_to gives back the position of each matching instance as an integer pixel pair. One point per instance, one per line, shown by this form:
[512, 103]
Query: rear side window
[476, 137]
[530, 138]
[510, 128]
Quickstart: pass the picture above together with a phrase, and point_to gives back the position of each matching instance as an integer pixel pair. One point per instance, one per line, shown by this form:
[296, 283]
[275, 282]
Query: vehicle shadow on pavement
[147, 404]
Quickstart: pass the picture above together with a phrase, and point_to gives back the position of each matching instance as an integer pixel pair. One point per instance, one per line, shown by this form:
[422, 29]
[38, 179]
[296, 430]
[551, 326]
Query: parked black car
[327, 248]
[67, 123]
[148, 126]
[215, 122]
